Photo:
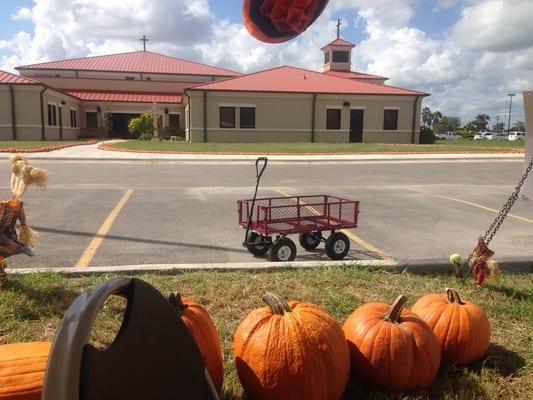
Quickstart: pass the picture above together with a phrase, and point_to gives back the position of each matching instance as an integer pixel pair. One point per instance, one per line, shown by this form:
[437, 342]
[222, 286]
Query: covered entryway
[119, 128]
[356, 125]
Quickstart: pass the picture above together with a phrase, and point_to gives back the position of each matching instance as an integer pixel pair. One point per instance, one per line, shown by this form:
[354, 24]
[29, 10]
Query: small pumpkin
[462, 328]
[276, 21]
[204, 333]
[391, 347]
[291, 350]
[22, 367]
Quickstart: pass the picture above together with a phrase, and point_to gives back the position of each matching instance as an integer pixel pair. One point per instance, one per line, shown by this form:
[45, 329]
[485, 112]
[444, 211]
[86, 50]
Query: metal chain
[499, 220]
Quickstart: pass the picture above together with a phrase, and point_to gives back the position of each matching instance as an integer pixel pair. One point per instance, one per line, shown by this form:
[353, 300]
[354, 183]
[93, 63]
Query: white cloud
[470, 69]
[22, 14]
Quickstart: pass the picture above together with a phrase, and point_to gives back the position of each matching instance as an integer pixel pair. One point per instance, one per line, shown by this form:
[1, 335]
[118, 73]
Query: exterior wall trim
[237, 105]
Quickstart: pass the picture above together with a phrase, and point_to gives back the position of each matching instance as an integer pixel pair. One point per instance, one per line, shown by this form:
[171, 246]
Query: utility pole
[497, 122]
[510, 108]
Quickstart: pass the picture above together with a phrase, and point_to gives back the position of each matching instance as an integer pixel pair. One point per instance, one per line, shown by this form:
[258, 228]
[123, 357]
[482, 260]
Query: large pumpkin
[461, 327]
[276, 21]
[22, 367]
[291, 350]
[391, 347]
[204, 332]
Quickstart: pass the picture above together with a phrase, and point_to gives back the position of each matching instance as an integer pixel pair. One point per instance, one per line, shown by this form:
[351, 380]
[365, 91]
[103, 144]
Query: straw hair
[24, 175]
[28, 236]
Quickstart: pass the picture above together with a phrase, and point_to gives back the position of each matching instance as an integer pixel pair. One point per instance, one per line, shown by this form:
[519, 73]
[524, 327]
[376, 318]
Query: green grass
[321, 148]
[36, 144]
[31, 307]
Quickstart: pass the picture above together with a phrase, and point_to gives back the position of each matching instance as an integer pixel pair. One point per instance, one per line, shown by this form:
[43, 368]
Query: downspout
[313, 117]
[43, 131]
[60, 110]
[188, 118]
[13, 112]
[413, 129]
[205, 116]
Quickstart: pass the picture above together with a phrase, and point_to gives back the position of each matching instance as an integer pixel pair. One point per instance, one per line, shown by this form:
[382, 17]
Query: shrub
[427, 136]
[142, 127]
[466, 133]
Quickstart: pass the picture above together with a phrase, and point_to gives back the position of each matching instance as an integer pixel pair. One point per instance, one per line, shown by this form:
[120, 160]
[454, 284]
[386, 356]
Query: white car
[447, 136]
[516, 136]
[484, 135]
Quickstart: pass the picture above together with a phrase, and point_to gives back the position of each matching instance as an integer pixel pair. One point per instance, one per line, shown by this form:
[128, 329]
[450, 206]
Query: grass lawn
[37, 145]
[493, 146]
[31, 307]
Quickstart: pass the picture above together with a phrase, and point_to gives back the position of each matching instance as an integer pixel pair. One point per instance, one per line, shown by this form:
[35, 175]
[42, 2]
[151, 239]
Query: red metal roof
[339, 42]
[9, 78]
[354, 75]
[298, 80]
[126, 97]
[137, 61]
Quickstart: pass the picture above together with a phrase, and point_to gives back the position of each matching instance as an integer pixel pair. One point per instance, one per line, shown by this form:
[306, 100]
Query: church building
[97, 97]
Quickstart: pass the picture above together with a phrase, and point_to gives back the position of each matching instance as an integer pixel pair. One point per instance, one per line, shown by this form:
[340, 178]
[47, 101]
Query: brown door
[356, 125]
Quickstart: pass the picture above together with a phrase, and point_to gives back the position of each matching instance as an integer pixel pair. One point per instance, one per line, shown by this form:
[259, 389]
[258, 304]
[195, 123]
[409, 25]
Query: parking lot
[105, 213]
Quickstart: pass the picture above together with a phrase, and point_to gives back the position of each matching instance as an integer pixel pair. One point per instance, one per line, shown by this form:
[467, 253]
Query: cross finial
[339, 23]
[144, 39]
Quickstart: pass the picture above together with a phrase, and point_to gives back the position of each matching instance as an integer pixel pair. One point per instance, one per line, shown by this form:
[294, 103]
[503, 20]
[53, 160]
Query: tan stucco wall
[288, 117]
[528, 106]
[28, 113]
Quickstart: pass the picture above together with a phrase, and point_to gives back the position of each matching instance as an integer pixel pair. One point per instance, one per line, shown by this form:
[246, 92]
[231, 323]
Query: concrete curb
[413, 266]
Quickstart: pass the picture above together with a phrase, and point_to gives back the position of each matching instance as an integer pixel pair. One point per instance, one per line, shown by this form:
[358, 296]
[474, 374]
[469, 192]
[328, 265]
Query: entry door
[120, 125]
[356, 125]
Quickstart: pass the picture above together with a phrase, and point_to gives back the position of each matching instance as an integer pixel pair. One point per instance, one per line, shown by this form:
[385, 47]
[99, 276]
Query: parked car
[484, 135]
[447, 136]
[499, 136]
[517, 136]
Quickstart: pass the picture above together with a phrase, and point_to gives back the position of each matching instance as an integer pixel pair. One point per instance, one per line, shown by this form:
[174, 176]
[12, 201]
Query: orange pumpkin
[461, 327]
[204, 333]
[291, 350]
[22, 367]
[276, 21]
[391, 347]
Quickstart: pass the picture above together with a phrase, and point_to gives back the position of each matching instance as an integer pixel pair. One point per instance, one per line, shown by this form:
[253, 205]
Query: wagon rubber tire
[259, 249]
[283, 249]
[310, 240]
[337, 246]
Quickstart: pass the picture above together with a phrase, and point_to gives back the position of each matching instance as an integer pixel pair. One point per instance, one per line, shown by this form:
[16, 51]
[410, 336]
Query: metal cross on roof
[144, 39]
[339, 23]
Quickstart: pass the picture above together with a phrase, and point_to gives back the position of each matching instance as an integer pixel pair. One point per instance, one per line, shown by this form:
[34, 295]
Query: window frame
[220, 114]
[95, 120]
[328, 125]
[339, 52]
[252, 124]
[174, 114]
[52, 114]
[394, 126]
[73, 121]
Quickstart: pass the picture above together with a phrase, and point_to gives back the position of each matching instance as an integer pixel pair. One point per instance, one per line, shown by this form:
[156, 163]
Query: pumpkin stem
[453, 296]
[395, 310]
[174, 299]
[277, 304]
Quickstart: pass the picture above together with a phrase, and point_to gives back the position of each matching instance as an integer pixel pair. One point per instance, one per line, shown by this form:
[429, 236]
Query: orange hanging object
[276, 21]
[482, 264]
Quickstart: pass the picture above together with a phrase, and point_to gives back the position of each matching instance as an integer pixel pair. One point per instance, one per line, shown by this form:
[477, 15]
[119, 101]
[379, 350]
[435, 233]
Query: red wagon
[269, 221]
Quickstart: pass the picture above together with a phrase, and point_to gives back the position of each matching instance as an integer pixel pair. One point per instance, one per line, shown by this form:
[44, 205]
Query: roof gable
[9, 78]
[298, 80]
[339, 42]
[134, 62]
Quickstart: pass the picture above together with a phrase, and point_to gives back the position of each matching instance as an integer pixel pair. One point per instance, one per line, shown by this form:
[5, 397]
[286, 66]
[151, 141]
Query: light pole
[510, 108]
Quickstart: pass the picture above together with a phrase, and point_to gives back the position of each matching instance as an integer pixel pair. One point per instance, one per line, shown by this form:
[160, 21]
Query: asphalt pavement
[185, 212]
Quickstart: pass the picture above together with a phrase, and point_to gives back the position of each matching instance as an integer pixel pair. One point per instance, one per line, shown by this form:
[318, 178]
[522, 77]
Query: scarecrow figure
[21, 241]
[482, 264]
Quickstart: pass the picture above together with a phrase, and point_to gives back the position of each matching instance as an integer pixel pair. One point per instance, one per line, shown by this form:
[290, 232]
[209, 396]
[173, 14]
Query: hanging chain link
[498, 221]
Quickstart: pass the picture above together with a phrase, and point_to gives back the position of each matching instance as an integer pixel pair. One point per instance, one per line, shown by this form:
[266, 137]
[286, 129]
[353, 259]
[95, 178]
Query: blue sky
[467, 54]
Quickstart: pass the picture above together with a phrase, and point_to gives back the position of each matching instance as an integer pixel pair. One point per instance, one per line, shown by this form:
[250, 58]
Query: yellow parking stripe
[517, 217]
[90, 251]
[353, 237]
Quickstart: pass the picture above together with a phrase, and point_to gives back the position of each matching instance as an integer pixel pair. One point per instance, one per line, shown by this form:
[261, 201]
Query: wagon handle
[258, 174]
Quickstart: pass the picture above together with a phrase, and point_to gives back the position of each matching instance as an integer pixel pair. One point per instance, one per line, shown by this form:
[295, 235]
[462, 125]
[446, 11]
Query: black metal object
[258, 174]
[153, 356]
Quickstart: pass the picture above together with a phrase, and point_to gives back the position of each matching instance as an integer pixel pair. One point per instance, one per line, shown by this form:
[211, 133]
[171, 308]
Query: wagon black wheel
[310, 240]
[337, 246]
[257, 245]
[283, 249]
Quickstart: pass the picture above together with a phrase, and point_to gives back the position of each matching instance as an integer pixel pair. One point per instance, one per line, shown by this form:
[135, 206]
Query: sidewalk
[92, 153]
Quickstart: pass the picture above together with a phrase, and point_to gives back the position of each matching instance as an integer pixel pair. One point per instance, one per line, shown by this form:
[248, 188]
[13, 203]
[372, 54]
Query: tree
[427, 117]
[447, 124]
[481, 122]
[499, 127]
[519, 126]
[142, 127]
